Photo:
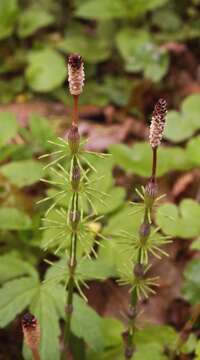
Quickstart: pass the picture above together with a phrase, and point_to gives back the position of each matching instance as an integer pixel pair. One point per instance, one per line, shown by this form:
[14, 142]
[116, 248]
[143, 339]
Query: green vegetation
[134, 53]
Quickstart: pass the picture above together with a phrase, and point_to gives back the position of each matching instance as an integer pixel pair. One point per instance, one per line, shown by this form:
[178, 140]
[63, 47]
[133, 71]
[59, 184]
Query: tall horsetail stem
[76, 81]
[149, 198]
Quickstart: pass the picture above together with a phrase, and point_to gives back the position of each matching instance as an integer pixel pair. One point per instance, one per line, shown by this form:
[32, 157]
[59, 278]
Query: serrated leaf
[14, 219]
[181, 222]
[8, 127]
[15, 296]
[33, 19]
[12, 266]
[46, 70]
[191, 286]
[23, 172]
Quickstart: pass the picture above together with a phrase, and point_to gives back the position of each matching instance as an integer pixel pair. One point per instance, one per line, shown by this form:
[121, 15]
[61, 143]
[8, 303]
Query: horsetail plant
[72, 202]
[148, 241]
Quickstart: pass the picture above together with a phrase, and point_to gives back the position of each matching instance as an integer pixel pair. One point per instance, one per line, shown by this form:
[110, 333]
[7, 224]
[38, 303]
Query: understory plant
[71, 172]
[148, 242]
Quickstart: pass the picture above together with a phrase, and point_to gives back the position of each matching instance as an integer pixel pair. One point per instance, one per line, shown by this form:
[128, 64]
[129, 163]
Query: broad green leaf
[87, 324]
[197, 351]
[15, 296]
[178, 128]
[33, 19]
[163, 335]
[113, 201]
[123, 220]
[14, 219]
[181, 222]
[105, 9]
[94, 269]
[86, 270]
[46, 70]
[181, 125]
[193, 151]
[116, 353]
[140, 53]
[152, 351]
[138, 158]
[190, 344]
[44, 308]
[92, 49]
[41, 132]
[8, 15]
[12, 266]
[22, 173]
[191, 286]
[112, 329]
[8, 127]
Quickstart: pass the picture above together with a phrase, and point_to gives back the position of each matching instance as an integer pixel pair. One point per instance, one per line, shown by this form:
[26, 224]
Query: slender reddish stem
[154, 164]
[75, 111]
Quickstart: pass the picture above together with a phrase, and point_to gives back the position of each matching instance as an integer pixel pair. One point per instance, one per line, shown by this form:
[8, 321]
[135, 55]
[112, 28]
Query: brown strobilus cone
[31, 332]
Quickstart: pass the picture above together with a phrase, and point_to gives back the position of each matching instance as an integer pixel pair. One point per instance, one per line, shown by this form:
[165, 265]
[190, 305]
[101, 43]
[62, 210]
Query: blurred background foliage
[134, 52]
[116, 39]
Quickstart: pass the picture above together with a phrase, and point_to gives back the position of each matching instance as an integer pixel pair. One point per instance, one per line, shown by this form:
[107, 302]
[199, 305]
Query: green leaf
[33, 19]
[15, 296]
[46, 70]
[112, 329]
[9, 90]
[197, 351]
[193, 151]
[181, 125]
[160, 334]
[94, 269]
[93, 9]
[93, 49]
[137, 159]
[113, 201]
[8, 127]
[41, 133]
[14, 219]
[87, 324]
[181, 222]
[8, 14]
[104, 10]
[22, 173]
[140, 53]
[191, 286]
[12, 266]
[44, 308]
[151, 351]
